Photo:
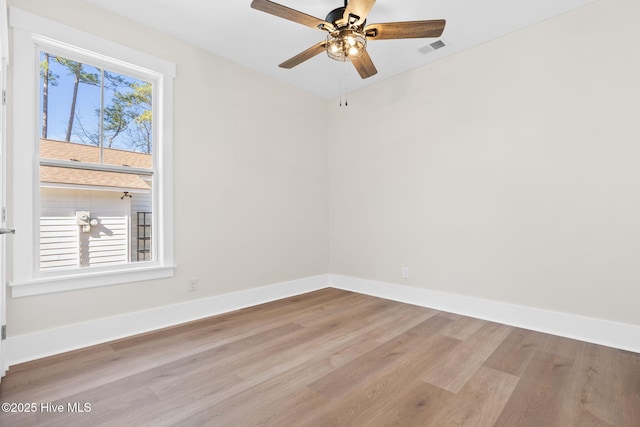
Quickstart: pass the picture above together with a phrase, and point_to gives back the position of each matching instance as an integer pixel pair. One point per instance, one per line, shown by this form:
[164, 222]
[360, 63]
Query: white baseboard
[23, 348]
[604, 332]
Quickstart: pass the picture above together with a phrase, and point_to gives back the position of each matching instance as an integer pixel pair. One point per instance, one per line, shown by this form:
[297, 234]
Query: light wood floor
[334, 358]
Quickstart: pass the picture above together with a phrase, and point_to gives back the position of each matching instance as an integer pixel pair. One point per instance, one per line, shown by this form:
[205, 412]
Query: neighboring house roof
[68, 176]
[51, 149]
[61, 150]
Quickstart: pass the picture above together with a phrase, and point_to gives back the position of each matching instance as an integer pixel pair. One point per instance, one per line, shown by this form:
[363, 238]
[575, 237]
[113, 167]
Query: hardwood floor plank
[463, 327]
[539, 397]
[15, 419]
[330, 343]
[452, 373]
[516, 351]
[28, 377]
[347, 377]
[334, 357]
[597, 386]
[398, 321]
[302, 405]
[627, 368]
[249, 321]
[114, 365]
[382, 393]
[119, 408]
[418, 402]
[231, 407]
[561, 346]
[479, 403]
[324, 351]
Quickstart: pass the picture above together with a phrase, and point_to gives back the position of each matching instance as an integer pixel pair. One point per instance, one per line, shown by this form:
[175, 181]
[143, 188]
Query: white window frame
[30, 32]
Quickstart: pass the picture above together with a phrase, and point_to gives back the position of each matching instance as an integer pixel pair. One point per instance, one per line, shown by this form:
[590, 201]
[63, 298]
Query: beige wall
[508, 172]
[250, 168]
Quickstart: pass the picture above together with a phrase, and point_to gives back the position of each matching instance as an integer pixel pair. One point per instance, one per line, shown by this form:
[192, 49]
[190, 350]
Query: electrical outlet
[193, 285]
[405, 272]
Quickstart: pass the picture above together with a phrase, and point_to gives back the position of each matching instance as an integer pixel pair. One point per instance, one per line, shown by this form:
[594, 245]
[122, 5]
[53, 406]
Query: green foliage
[127, 121]
[131, 112]
[46, 73]
[77, 70]
[48, 79]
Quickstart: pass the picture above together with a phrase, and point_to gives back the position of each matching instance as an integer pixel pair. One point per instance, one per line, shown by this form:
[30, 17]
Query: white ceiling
[231, 29]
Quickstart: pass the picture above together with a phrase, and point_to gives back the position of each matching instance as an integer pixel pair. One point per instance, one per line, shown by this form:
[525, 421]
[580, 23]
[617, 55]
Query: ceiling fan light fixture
[346, 44]
[348, 32]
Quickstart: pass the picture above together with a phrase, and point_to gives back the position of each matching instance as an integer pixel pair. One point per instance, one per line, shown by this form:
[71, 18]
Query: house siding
[64, 245]
[59, 242]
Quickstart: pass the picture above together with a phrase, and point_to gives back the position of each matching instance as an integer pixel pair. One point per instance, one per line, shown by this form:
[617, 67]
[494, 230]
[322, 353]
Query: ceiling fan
[348, 32]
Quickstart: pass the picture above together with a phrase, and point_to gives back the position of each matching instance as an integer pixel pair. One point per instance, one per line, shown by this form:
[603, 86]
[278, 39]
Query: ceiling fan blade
[303, 56]
[405, 30]
[364, 65]
[359, 8]
[288, 13]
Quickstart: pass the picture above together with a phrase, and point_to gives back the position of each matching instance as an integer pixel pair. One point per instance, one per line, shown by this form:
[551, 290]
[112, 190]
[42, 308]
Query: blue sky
[87, 103]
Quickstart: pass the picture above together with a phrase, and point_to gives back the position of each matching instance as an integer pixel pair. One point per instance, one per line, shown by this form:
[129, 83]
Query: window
[96, 165]
[92, 136]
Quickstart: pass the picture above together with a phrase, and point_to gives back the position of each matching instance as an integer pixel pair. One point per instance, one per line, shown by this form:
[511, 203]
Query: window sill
[70, 282]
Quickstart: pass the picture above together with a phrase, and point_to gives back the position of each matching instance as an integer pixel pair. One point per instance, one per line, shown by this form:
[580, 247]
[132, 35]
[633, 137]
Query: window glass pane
[127, 119]
[91, 217]
[76, 98]
[70, 100]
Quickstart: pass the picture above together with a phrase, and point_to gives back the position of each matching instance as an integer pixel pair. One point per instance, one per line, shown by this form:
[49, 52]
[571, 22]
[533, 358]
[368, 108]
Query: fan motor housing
[338, 15]
[335, 15]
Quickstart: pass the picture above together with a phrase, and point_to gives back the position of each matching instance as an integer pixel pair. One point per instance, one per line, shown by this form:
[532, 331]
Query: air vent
[437, 44]
[432, 46]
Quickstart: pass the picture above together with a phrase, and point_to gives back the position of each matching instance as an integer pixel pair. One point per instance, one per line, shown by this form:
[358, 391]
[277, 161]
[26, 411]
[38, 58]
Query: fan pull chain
[340, 91]
[346, 91]
[346, 80]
